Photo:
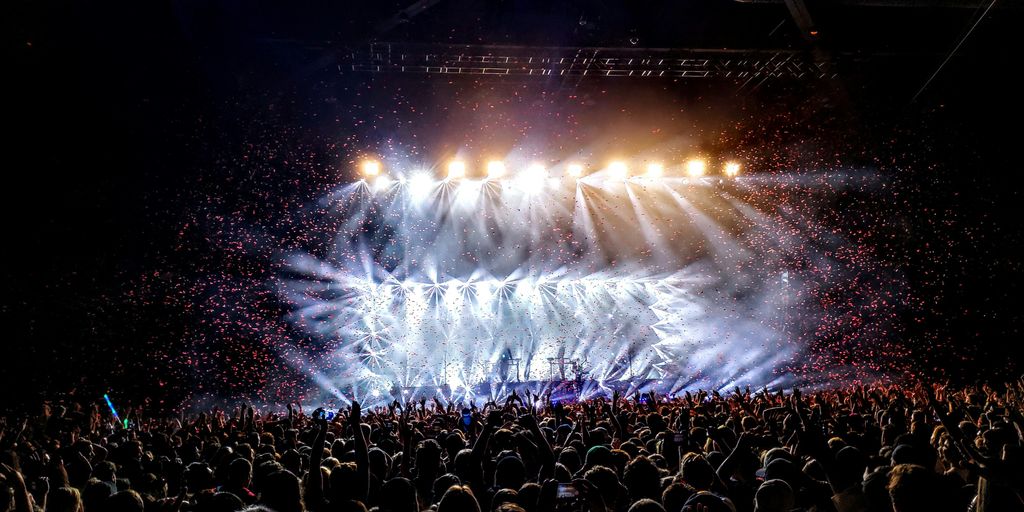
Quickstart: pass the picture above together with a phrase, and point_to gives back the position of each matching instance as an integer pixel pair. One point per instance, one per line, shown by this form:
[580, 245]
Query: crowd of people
[854, 449]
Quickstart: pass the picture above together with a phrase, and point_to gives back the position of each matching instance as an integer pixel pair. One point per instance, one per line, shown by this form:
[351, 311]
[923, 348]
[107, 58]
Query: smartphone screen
[568, 499]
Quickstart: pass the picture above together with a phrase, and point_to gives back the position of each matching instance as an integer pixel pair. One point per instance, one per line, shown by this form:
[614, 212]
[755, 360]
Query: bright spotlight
[532, 179]
[655, 170]
[575, 170]
[420, 182]
[382, 183]
[732, 169]
[696, 168]
[456, 169]
[371, 168]
[618, 170]
[495, 169]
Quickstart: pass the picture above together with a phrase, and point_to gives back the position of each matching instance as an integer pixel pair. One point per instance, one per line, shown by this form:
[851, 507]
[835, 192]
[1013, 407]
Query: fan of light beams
[673, 283]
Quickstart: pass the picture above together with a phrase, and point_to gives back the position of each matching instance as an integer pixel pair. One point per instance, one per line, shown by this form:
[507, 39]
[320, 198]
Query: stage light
[371, 168]
[533, 179]
[382, 183]
[732, 169]
[574, 170]
[495, 169]
[456, 169]
[655, 170]
[420, 182]
[695, 168]
[618, 170]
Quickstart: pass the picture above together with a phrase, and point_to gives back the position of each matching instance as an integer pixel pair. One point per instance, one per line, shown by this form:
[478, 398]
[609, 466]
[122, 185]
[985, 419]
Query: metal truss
[532, 61]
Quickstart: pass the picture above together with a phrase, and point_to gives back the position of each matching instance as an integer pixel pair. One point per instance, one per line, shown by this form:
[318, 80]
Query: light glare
[533, 179]
[695, 168]
[575, 170]
[371, 168]
[382, 183]
[495, 169]
[456, 169]
[420, 182]
[732, 169]
[618, 170]
[655, 170]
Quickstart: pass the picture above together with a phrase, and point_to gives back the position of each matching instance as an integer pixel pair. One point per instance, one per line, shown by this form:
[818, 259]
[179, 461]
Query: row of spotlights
[618, 170]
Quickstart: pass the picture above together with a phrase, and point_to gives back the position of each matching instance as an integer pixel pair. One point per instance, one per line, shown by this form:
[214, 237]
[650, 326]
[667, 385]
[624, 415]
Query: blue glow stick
[111, 406]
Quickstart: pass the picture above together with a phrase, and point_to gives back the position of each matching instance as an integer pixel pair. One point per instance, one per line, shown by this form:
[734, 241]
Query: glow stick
[111, 406]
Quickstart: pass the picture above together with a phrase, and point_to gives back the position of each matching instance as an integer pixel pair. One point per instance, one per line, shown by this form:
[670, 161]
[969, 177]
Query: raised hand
[528, 421]
[355, 414]
[22, 498]
[404, 430]
[12, 475]
[548, 495]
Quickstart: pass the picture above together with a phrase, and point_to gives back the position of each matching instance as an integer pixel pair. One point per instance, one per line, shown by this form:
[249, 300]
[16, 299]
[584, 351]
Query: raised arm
[732, 462]
[405, 435]
[362, 454]
[546, 454]
[22, 498]
[620, 431]
[314, 492]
